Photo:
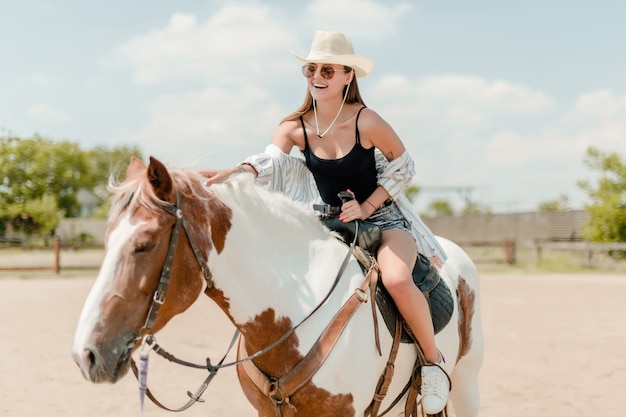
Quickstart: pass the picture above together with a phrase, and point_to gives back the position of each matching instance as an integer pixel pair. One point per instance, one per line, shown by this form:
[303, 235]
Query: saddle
[425, 276]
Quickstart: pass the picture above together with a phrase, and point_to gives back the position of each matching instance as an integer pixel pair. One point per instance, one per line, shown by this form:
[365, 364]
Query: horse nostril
[87, 363]
[90, 359]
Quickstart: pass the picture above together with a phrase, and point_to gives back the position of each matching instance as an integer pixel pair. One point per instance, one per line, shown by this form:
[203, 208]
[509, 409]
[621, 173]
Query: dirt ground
[554, 347]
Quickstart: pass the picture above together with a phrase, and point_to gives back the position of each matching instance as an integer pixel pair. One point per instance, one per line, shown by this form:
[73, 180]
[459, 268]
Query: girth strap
[279, 390]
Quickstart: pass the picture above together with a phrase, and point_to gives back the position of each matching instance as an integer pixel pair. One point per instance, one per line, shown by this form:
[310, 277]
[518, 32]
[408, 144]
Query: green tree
[33, 167]
[412, 191]
[440, 208]
[36, 170]
[40, 215]
[110, 164]
[607, 210]
[561, 203]
[473, 207]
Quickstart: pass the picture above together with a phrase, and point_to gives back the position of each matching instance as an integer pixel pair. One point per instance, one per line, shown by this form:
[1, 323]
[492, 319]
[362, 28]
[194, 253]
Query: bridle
[166, 272]
[146, 334]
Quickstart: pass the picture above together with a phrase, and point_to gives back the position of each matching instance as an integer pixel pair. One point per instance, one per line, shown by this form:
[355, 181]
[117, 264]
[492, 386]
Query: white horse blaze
[91, 312]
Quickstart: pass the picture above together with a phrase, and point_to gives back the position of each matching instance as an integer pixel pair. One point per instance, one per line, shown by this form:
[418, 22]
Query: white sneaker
[435, 389]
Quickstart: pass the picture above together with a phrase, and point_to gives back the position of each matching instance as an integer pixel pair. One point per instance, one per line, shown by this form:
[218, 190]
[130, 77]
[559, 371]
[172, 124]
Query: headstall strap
[159, 298]
[166, 272]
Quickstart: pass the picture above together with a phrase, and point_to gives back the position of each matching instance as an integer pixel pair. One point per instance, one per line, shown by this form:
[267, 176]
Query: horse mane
[136, 190]
[238, 192]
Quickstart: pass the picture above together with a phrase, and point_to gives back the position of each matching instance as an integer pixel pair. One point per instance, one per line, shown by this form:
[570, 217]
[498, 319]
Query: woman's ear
[350, 77]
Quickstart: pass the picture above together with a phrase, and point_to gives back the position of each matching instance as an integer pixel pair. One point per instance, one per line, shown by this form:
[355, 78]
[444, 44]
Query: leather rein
[149, 341]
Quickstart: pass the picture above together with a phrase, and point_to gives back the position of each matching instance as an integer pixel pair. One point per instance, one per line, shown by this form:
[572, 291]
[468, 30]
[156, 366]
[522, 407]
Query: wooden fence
[509, 236]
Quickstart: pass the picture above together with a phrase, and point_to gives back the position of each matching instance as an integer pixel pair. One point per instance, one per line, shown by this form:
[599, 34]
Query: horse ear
[134, 167]
[161, 180]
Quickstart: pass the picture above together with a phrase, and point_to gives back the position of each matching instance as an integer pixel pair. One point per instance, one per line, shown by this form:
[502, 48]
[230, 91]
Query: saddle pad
[436, 291]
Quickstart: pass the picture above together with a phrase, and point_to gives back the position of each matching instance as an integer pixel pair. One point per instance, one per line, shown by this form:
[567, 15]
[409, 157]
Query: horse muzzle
[100, 365]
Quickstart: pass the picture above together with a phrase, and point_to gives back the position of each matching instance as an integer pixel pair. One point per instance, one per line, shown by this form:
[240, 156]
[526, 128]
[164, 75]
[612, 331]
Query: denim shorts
[388, 216]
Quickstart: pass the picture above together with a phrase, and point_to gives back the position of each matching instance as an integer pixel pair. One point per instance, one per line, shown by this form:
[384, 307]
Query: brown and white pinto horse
[272, 262]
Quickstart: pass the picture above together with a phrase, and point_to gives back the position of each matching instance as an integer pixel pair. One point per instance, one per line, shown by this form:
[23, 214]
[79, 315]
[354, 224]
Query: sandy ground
[555, 347]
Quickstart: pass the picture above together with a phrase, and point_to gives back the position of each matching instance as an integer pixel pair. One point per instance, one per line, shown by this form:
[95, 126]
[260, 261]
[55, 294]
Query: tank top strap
[358, 135]
[306, 139]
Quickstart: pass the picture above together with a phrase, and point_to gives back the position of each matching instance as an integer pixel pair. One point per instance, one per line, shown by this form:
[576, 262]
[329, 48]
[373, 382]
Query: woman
[340, 139]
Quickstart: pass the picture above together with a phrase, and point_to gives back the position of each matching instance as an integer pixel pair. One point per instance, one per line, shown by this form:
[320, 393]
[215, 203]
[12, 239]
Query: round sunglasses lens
[308, 70]
[327, 71]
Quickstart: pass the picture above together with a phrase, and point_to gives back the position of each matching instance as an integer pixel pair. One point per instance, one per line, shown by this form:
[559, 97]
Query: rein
[147, 335]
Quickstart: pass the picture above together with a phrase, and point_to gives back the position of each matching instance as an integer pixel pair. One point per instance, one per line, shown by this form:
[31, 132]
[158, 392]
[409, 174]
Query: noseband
[164, 281]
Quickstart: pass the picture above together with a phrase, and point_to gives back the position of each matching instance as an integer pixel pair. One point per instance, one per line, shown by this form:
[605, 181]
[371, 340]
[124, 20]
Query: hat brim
[362, 66]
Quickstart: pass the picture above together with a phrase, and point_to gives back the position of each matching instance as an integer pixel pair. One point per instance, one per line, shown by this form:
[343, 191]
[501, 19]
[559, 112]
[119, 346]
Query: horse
[278, 274]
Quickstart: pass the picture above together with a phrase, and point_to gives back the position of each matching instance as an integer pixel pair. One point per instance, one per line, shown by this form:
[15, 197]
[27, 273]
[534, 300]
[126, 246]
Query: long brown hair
[353, 96]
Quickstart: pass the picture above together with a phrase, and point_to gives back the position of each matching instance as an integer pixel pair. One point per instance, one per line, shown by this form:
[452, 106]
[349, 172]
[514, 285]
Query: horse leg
[465, 395]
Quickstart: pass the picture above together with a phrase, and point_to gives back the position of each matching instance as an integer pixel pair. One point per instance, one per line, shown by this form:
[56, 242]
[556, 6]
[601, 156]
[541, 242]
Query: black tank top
[355, 171]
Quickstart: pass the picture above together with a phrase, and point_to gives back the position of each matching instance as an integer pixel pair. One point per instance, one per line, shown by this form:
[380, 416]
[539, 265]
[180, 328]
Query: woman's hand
[352, 210]
[217, 175]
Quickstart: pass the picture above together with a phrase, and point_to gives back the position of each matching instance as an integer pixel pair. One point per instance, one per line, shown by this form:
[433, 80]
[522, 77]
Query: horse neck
[277, 264]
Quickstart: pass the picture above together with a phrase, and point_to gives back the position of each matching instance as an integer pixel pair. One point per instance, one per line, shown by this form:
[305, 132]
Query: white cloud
[498, 134]
[45, 113]
[439, 107]
[597, 119]
[513, 150]
[496, 95]
[356, 17]
[208, 127]
[228, 46]
[601, 104]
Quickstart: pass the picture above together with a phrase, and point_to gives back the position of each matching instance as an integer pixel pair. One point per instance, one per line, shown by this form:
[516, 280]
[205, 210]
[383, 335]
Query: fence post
[509, 251]
[57, 255]
[588, 262]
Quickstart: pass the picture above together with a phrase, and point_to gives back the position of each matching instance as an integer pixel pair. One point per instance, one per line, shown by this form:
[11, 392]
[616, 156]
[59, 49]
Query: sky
[497, 101]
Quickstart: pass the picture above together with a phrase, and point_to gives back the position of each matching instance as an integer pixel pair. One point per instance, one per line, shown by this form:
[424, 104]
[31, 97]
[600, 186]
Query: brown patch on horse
[308, 401]
[219, 222]
[222, 301]
[466, 298]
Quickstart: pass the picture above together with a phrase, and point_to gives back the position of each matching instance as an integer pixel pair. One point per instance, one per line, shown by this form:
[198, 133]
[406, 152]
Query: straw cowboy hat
[336, 48]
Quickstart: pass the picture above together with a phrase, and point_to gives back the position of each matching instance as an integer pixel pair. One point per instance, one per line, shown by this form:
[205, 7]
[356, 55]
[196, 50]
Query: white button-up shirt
[289, 175]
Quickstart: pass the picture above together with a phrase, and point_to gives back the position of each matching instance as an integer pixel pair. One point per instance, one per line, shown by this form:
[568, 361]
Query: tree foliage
[412, 191]
[607, 210]
[561, 203]
[39, 179]
[472, 207]
[440, 208]
[39, 215]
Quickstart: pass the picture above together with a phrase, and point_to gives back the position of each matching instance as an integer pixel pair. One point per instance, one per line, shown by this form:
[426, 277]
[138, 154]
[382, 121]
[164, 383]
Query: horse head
[145, 214]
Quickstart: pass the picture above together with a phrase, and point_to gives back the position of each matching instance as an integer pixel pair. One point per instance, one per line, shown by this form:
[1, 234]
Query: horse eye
[144, 247]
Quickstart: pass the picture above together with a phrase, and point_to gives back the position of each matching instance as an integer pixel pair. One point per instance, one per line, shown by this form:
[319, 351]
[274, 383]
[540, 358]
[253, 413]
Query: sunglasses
[327, 71]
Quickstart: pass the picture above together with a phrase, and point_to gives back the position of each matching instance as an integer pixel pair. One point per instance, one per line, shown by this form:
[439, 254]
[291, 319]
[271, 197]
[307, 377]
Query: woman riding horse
[343, 143]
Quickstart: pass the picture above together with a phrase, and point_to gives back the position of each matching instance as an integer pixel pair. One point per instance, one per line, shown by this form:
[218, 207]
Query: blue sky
[503, 97]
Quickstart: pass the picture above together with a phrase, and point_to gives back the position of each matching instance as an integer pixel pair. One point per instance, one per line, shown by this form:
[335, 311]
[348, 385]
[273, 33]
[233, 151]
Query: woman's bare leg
[396, 258]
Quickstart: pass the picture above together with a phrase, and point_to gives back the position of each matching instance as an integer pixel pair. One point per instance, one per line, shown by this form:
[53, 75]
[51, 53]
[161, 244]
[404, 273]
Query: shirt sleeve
[286, 174]
[395, 176]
